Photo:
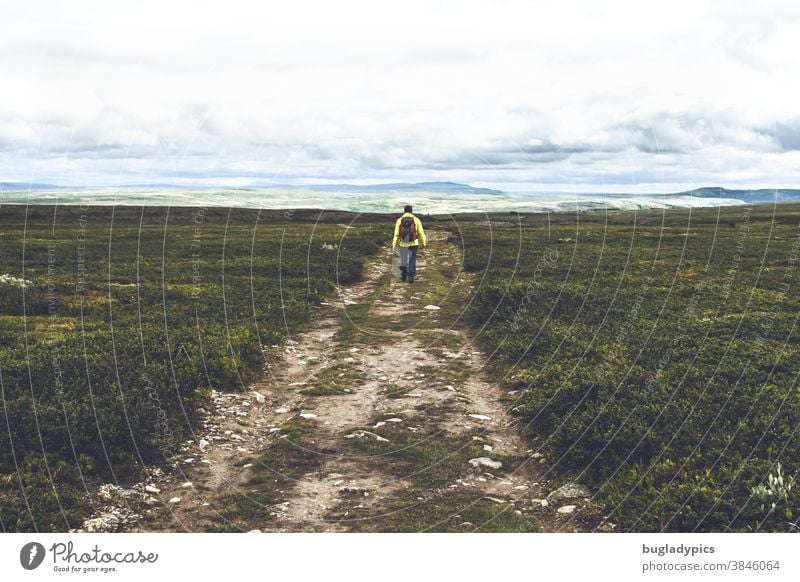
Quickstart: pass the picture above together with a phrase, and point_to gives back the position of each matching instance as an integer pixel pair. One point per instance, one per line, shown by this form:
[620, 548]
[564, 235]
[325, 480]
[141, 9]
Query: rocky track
[379, 418]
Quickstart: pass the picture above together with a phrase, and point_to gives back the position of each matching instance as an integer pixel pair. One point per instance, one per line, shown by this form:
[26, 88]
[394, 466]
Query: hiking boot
[411, 279]
[403, 273]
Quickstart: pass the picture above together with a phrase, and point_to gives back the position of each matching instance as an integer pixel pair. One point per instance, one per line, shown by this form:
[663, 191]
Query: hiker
[408, 233]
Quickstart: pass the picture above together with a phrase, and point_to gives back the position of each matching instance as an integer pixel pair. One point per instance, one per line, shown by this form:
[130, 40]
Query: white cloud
[496, 93]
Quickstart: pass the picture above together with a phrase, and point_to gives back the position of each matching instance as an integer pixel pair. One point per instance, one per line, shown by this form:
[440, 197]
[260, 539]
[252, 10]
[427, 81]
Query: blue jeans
[408, 260]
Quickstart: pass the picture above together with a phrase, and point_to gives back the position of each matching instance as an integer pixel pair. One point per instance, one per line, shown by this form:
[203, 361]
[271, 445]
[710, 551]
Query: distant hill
[450, 187]
[749, 196]
[754, 196]
[23, 186]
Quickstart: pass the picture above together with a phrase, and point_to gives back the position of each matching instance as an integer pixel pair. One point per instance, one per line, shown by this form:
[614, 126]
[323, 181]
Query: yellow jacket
[420, 233]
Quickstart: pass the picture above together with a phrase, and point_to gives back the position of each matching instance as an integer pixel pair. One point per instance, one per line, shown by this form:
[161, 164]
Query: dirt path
[378, 419]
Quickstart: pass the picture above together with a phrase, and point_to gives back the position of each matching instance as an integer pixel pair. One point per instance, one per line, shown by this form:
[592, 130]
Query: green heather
[652, 356]
[656, 354]
[129, 319]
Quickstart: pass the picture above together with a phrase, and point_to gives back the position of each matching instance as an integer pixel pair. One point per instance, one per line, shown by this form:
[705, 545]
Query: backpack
[408, 229]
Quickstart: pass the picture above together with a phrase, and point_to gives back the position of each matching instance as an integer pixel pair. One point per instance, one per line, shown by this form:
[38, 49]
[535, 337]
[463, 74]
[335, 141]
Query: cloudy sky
[639, 96]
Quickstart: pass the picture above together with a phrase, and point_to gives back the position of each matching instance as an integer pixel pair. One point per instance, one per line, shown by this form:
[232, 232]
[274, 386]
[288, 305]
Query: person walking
[409, 234]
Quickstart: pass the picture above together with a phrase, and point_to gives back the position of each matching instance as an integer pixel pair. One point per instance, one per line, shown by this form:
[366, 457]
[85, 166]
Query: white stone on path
[480, 417]
[569, 491]
[175, 500]
[363, 433]
[485, 462]
[432, 307]
[566, 509]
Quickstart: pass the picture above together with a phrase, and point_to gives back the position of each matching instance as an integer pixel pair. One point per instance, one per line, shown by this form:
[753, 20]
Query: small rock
[187, 485]
[432, 307]
[105, 523]
[566, 509]
[485, 462]
[480, 417]
[307, 415]
[487, 448]
[175, 500]
[259, 397]
[281, 410]
[254, 531]
[203, 444]
[363, 433]
[152, 489]
[569, 491]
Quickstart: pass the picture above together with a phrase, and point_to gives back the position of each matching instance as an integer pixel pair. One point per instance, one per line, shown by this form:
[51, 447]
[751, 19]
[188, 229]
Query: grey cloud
[786, 135]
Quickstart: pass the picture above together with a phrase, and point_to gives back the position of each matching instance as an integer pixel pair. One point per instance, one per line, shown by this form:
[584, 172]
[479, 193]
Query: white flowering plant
[12, 281]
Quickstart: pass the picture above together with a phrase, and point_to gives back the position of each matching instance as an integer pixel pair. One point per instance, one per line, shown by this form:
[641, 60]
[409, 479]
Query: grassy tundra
[653, 356]
[116, 323]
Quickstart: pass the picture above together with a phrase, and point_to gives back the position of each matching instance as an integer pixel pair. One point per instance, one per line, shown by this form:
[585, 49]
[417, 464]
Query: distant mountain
[23, 186]
[449, 187]
[754, 196]
[156, 185]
